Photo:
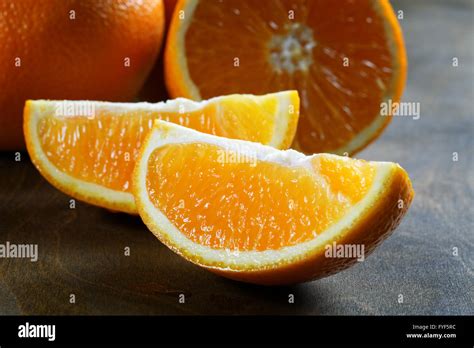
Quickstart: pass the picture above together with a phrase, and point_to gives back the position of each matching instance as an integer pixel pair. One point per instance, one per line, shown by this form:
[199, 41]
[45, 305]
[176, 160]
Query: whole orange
[73, 49]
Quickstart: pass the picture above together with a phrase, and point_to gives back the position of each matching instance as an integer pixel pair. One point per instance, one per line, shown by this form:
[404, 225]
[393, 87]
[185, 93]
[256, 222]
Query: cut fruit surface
[88, 149]
[257, 214]
[344, 57]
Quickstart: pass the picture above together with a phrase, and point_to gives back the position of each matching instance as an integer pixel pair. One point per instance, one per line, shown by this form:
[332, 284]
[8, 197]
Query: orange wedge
[88, 149]
[344, 57]
[257, 214]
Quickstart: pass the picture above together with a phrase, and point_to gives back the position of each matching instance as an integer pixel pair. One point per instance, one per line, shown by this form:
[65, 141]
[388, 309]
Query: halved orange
[257, 214]
[88, 149]
[345, 58]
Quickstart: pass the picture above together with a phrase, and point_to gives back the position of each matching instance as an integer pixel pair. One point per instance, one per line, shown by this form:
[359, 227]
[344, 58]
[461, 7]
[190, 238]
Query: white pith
[161, 226]
[293, 50]
[171, 105]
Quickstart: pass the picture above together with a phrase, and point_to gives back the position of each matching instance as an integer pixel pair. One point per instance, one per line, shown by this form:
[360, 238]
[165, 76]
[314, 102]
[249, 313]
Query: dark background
[81, 251]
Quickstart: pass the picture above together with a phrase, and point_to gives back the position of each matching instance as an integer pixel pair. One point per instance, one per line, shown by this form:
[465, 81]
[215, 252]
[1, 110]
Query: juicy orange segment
[348, 180]
[254, 213]
[89, 150]
[226, 205]
[344, 57]
[99, 144]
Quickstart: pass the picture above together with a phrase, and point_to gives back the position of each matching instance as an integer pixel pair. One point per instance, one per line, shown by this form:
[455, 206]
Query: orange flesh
[103, 149]
[337, 100]
[251, 205]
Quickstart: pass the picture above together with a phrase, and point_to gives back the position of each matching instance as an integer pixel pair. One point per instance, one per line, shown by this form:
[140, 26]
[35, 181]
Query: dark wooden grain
[81, 250]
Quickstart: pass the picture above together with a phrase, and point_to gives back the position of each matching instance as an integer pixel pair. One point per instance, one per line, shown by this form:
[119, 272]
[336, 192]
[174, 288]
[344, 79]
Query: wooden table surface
[81, 250]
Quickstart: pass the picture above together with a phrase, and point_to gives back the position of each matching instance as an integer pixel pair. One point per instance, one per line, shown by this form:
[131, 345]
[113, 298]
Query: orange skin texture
[81, 58]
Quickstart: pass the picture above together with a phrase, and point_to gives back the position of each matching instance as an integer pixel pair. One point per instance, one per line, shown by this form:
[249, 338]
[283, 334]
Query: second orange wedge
[88, 149]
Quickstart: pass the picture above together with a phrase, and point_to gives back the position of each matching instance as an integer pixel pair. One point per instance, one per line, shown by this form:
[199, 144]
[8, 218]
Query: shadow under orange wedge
[344, 57]
[88, 149]
[257, 214]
